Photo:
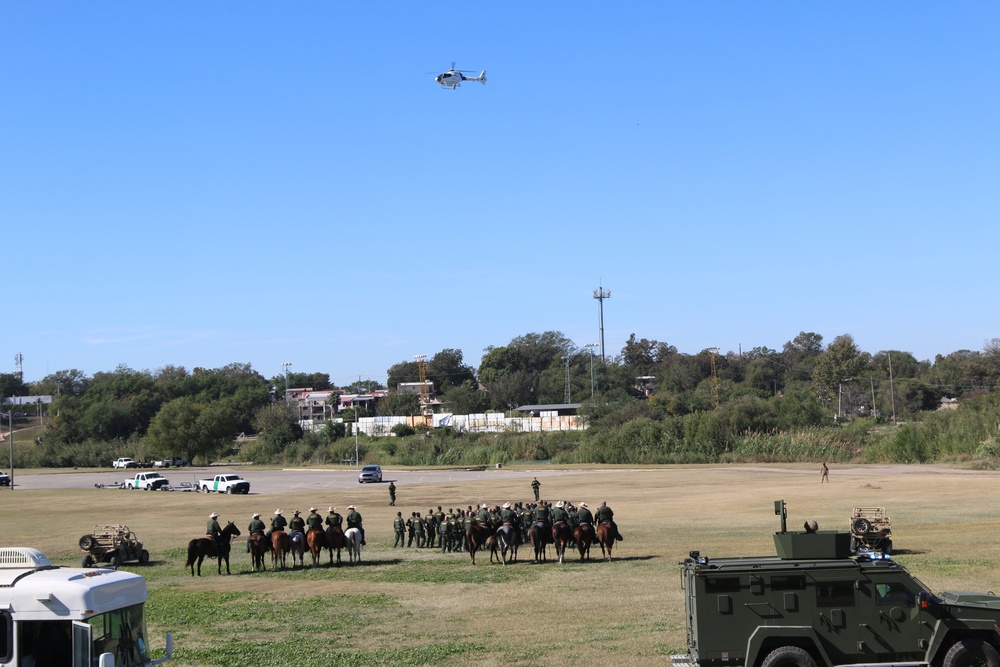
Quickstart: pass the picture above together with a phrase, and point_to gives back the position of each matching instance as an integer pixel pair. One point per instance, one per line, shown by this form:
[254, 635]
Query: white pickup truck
[124, 462]
[227, 483]
[150, 481]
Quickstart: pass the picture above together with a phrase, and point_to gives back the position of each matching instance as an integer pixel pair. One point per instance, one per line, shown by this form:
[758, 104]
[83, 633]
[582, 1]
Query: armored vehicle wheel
[143, 557]
[88, 561]
[87, 542]
[861, 525]
[972, 653]
[793, 656]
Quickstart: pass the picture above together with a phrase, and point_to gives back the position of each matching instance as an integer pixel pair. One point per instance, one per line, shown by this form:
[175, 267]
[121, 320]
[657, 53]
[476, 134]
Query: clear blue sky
[200, 183]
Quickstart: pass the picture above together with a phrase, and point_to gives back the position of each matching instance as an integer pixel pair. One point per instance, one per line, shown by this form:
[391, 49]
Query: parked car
[4, 479]
[370, 474]
[166, 463]
[124, 462]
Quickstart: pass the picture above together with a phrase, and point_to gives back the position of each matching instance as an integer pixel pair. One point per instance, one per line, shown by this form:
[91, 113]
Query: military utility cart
[871, 529]
[816, 605]
[113, 544]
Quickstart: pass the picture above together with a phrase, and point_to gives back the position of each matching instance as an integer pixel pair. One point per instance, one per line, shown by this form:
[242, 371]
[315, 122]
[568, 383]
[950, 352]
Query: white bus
[61, 616]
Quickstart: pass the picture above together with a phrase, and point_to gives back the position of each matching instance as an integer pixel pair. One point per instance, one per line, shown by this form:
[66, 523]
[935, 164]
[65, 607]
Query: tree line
[648, 403]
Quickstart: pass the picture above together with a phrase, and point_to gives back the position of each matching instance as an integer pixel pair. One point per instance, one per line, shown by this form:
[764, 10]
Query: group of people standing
[447, 528]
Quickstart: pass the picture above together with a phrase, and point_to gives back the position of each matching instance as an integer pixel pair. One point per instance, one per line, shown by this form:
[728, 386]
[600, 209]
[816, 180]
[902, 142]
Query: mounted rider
[542, 515]
[508, 515]
[279, 522]
[297, 524]
[354, 521]
[604, 514]
[559, 513]
[314, 521]
[584, 515]
[213, 530]
[334, 520]
[483, 516]
[256, 526]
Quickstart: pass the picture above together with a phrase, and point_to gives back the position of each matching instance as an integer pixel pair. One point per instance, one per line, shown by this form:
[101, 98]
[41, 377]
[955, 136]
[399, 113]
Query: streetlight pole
[10, 438]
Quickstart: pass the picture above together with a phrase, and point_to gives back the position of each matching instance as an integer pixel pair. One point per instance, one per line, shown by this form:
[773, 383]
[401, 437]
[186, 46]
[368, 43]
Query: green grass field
[420, 607]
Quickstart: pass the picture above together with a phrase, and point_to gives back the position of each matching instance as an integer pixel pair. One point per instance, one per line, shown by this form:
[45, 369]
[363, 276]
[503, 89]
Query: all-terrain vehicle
[816, 605]
[871, 529]
[113, 544]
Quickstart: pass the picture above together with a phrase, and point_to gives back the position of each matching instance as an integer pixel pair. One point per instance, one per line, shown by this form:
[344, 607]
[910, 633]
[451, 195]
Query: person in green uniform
[483, 516]
[314, 521]
[508, 515]
[354, 521]
[583, 514]
[392, 494]
[419, 529]
[559, 513]
[411, 529]
[535, 485]
[256, 526]
[430, 528]
[334, 519]
[604, 514]
[213, 529]
[279, 522]
[399, 528]
[297, 524]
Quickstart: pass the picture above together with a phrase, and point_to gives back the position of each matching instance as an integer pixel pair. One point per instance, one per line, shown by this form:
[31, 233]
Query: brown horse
[201, 547]
[606, 538]
[584, 536]
[561, 535]
[316, 539]
[475, 537]
[258, 547]
[540, 535]
[335, 540]
[279, 549]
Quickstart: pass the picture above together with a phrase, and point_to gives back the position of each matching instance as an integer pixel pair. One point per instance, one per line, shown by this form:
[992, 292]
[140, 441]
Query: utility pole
[601, 294]
[566, 394]
[286, 365]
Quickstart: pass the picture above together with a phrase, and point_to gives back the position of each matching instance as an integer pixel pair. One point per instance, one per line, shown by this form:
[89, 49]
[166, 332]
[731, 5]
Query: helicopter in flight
[453, 78]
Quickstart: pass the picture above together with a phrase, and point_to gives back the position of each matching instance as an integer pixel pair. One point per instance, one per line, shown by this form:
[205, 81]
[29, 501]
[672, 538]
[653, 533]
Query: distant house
[948, 403]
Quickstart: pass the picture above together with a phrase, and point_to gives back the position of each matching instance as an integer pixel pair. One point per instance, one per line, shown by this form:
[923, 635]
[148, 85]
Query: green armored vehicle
[816, 605]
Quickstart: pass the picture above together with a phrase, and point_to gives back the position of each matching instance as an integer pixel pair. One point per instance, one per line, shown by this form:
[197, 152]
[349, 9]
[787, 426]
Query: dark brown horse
[335, 540]
[540, 535]
[584, 536]
[561, 535]
[279, 548]
[201, 547]
[316, 539]
[475, 537]
[258, 547]
[606, 538]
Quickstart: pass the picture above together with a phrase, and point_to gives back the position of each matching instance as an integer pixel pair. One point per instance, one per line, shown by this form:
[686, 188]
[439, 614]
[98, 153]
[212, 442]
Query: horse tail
[192, 553]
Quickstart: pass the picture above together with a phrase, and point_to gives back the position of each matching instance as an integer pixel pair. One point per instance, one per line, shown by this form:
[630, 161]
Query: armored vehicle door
[837, 613]
[891, 622]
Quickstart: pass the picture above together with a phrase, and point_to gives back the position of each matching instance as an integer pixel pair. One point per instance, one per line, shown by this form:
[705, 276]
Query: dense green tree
[396, 404]
[275, 428]
[363, 387]
[465, 399]
[71, 382]
[11, 384]
[800, 356]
